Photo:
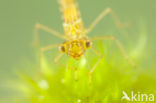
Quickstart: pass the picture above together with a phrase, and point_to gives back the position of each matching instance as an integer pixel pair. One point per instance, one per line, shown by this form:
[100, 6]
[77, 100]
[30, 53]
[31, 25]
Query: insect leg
[62, 65]
[57, 59]
[72, 68]
[95, 65]
[100, 17]
[75, 70]
[117, 42]
[38, 27]
[42, 50]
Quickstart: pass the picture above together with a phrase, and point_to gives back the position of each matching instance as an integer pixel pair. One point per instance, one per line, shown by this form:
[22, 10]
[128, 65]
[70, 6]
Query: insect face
[75, 48]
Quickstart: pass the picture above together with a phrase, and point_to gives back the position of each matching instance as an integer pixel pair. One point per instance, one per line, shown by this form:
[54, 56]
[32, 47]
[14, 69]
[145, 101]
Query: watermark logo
[141, 97]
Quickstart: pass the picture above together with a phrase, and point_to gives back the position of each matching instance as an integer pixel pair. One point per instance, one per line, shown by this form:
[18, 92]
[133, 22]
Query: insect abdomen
[72, 25]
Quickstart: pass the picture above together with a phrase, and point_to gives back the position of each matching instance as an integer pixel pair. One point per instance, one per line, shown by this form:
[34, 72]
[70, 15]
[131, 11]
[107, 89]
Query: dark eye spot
[63, 48]
[87, 44]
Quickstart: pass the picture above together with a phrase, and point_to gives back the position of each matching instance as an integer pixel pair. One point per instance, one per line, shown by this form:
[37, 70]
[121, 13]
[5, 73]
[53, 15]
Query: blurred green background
[18, 17]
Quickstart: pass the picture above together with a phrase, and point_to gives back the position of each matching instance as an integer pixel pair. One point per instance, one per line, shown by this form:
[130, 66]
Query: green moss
[112, 76]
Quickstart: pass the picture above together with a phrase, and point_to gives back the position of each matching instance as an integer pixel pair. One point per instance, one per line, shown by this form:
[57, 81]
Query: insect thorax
[73, 25]
[74, 30]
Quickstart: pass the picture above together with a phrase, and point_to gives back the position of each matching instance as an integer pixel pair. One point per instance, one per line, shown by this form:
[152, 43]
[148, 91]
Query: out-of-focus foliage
[112, 76]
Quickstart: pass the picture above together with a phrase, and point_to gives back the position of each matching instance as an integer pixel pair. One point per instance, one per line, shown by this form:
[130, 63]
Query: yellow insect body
[77, 42]
[72, 25]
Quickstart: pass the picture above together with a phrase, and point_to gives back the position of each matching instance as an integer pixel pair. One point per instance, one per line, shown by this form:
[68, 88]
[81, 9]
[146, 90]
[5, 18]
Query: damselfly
[76, 41]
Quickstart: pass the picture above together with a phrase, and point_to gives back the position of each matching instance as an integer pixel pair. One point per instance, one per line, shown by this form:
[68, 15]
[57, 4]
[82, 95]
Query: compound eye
[88, 44]
[62, 48]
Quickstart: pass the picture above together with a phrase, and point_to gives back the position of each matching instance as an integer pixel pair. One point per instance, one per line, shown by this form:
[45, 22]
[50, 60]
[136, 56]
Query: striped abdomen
[73, 26]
